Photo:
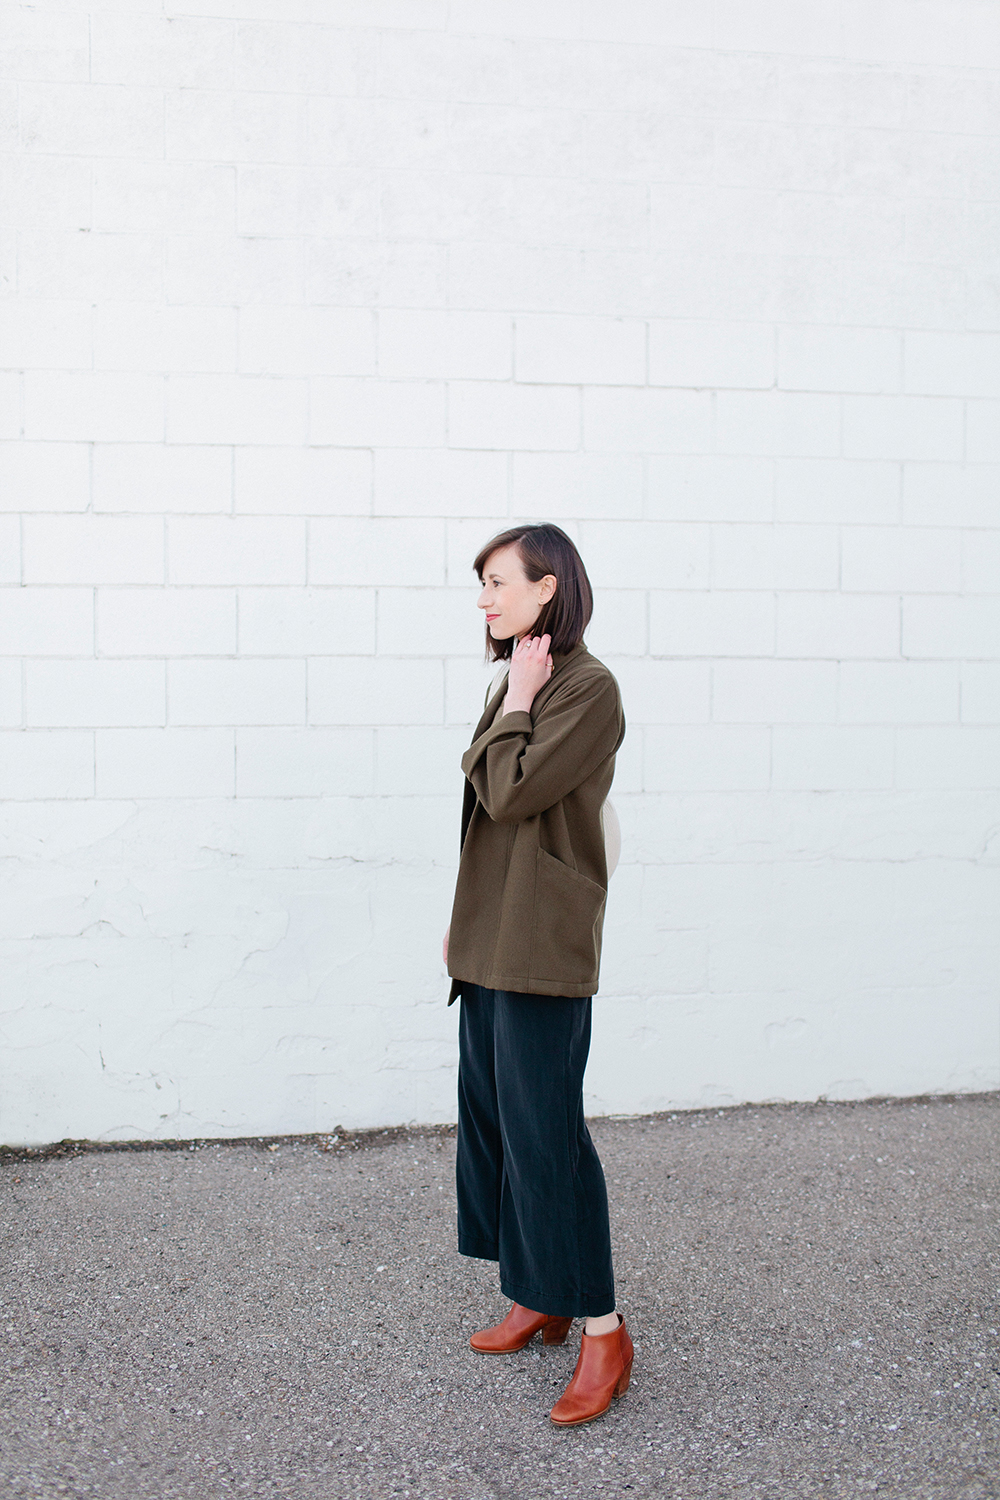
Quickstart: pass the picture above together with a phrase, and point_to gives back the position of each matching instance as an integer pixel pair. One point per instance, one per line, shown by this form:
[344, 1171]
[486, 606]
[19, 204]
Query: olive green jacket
[528, 913]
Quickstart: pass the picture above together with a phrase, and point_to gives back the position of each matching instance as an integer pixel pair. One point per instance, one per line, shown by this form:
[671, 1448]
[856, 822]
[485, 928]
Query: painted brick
[245, 250]
[777, 423]
[90, 406]
[948, 758]
[179, 197]
[898, 692]
[982, 432]
[646, 421]
[303, 59]
[981, 692]
[952, 364]
[620, 624]
[488, 415]
[237, 692]
[949, 495]
[239, 549]
[981, 562]
[446, 67]
[902, 427]
[446, 482]
[639, 145]
[714, 221]
[153, 51]
[93, 549]
[91, 119]
[431, 621]
[366, 691]
[774, 692]
[71, 264]
[568, 351]
[774, 557]
[10, 694]
[419, 760]
[46, 622]
[232, 127]
[235, 409]
[712, 354]
[305, 762]
[40, 45]
[646, 554]
[156, 763]
[76, 694]
[710, 488]
[273, 200]
[302, 481]
[817, 758]
[891, 559]
[227, 269]
[837, 625]
[668, 22]
[359, 273]
[45, 334]
[10, 549]
[306, 622]
[778, 26]
[837, 490]
[307, 341]
[696, 758]
[724, 624]
[444, 345]
[154, 478]
[166, 622]
[577, 484]
[508, 18]
[44, 476]
[662, 692]
[10, 406]
[375, 551]
[839, 359]
[129, 336]
[377, 413]
[464, 538]
[40, 763]
[949, 628]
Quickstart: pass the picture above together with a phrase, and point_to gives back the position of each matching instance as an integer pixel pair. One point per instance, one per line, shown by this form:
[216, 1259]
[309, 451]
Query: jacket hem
[523, 984]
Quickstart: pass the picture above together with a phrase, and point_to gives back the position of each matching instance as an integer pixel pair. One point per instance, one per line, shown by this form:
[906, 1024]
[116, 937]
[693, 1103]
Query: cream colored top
[609, 818]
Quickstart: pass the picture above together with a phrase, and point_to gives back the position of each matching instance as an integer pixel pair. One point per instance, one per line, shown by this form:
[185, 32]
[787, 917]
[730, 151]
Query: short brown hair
[544, 548]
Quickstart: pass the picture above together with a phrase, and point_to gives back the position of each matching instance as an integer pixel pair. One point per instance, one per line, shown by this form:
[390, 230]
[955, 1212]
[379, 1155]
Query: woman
[523, 949]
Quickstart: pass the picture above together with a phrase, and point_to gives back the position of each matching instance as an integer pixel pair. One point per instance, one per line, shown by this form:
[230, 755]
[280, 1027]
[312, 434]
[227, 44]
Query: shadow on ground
[812, 1292]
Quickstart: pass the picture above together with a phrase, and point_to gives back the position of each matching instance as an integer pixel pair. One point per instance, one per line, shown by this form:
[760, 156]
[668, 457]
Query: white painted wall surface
[303, 300]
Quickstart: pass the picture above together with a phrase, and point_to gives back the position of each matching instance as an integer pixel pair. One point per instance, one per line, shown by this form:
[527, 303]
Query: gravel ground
[812, 1291]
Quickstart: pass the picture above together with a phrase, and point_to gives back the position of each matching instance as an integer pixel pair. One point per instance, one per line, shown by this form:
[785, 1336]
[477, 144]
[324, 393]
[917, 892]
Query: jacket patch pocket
[566, 923]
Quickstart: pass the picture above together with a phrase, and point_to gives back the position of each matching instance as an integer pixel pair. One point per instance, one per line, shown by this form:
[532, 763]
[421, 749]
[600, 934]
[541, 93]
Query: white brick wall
[298, 305]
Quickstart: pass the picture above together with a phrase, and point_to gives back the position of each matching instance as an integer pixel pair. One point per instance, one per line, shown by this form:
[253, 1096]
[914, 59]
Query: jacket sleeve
[520, 766]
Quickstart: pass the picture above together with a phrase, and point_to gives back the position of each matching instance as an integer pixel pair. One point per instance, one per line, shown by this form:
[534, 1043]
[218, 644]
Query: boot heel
[556, 1331]
[626, 1376]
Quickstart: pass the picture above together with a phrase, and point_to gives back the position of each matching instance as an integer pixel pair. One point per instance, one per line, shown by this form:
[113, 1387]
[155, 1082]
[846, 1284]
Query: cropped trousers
[531, 1191]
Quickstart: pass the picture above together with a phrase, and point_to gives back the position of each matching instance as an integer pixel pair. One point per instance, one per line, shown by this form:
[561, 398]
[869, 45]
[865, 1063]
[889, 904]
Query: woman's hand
[530, 668]
[444, 945]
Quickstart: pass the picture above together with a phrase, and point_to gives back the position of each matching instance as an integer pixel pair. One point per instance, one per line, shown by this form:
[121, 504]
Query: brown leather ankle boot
[520, 1325]
[602, 1372]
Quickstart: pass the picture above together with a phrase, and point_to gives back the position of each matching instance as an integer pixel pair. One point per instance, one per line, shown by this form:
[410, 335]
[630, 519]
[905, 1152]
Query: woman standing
[523, 950]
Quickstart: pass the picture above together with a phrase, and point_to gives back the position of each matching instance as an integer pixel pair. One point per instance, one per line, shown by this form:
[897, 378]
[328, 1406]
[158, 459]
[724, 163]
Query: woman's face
[511, 602]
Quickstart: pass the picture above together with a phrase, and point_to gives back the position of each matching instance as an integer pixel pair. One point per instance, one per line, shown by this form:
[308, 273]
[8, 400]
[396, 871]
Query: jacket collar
[559, 658]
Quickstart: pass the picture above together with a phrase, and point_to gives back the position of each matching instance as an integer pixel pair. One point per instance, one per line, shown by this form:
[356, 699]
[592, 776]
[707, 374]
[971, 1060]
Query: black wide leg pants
[531, 1192]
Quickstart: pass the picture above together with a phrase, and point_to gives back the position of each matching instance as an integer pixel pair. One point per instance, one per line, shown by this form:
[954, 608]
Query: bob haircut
[544, 548]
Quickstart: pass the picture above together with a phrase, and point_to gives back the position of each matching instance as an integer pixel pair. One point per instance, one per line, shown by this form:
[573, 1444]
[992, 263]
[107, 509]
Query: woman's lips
[492, 617]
